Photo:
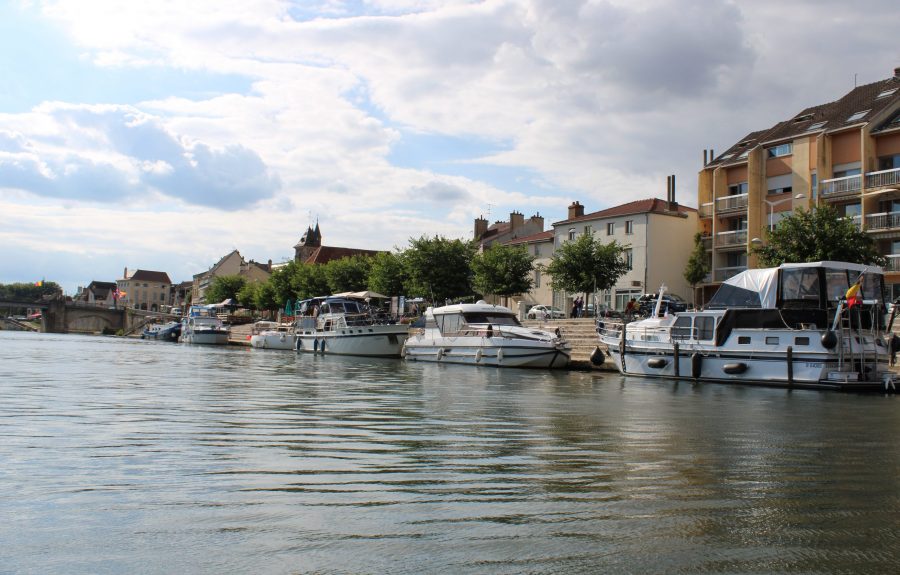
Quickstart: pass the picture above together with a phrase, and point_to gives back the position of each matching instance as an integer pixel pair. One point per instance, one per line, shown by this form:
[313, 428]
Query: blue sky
[162, 135]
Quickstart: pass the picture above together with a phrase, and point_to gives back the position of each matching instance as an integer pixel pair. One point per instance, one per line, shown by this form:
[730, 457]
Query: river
[127, 456]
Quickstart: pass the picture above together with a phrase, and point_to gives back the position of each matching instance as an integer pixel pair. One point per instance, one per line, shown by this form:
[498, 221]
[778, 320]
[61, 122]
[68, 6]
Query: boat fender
[657, 362]
[478, 356]
[734, 368]
[403, 351]
[315, 346]
[282, 337]
[557, 332]
[696, 365]
[829, 340]
[440, 354]
[597, 356]
[500, 354]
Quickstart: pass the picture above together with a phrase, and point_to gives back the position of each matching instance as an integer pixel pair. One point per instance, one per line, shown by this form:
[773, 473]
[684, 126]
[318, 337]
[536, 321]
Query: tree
[387, 274]
[503, 270]
[348, 274]
[27, 292]
[697, 265]
[224, 287]
[438, 268]
[309, 280]
[820, 234]
[587, 264]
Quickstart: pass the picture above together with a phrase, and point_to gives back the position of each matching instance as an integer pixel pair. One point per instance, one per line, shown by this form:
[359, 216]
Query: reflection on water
[131, 456]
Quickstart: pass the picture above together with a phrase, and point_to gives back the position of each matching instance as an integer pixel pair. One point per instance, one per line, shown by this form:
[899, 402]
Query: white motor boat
[790, 326]
[484, 334]
[347, 326]
[201, 326]
[272, 335]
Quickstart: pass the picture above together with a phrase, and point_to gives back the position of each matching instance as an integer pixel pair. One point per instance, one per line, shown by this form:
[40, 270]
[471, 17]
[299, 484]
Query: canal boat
[813, 325]
[346, 325]
[272, 335]
[201, 326]
[483, 334]
[169, 331]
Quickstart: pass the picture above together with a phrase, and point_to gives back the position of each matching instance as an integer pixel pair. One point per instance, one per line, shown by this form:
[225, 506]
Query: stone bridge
[60, 316]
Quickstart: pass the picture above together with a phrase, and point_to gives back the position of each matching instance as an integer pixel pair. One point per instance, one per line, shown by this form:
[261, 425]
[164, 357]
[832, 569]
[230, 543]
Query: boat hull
[489, 352]
[278, 340]
[369, 341]
[206, 337]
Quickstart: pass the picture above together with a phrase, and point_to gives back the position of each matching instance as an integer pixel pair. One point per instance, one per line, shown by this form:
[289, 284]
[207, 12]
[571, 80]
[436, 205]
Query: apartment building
[658, 236]
[844, 153]
[144, 289]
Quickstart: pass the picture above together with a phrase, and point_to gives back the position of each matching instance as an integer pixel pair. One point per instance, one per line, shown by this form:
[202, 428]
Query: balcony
[882, 222]
[706, 210]
[842, 186]
[883, 178]
[735, 203]
[706, 242]
[736, 238]
[893, 263]
[722, 274]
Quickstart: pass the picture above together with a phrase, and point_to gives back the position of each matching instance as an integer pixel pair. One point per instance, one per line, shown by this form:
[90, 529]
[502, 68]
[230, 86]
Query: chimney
[705, 152]
[269, 266]
[538, 221]
[481, 226]
[897, 73]
[516, 221]
[673, 205]
[576, 210]
[125, 273]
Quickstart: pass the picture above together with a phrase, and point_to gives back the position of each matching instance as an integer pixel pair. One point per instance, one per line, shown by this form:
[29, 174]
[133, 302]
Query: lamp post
[778, 203]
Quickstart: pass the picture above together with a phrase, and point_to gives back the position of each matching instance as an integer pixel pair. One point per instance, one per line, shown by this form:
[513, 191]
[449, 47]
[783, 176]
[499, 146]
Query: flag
[39, 283]
[853, 296]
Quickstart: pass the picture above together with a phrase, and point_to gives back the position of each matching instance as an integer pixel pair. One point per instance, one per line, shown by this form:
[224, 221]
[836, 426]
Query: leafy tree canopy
[820, 234]
[387, 274]
[348, 274]
[224, 287]
[698, 264]
[27, 292]
[309, 280]
[503, 270]
[438, 268]
[586, 264]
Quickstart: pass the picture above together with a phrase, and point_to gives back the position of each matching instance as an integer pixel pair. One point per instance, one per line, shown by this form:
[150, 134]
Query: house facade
[232, 264]
[505, 232]
[144, 289]
[844, 153]
[658, 236]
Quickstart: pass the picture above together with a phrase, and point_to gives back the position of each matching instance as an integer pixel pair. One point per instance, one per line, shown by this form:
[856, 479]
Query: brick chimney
[538, 221]
[897, 73]
[576, 210]
[516, 221]
[481, 226]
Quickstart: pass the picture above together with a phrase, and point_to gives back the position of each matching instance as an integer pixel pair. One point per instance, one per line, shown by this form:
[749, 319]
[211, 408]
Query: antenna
[854, 80]
[489, 211]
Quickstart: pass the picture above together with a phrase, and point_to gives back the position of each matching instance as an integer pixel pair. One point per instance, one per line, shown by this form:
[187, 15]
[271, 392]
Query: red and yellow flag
[853, 296]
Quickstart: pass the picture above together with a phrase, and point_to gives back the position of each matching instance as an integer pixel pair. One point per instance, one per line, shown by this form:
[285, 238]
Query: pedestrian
[629, 309]
[574, 313]
[579, 303]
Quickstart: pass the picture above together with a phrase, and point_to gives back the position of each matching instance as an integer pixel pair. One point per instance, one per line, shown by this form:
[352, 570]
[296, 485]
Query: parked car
[545, 312]
[603, 311]
[671, 303]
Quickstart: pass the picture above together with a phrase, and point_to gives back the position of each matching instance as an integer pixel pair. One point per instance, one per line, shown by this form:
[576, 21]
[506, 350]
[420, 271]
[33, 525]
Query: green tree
[503, 270]
[438, 268]
[29, 292]
[224, 287]
[587, 264]
[697, 265]
[348, 274]
[387, 274]
[309, 280]
[820, 234]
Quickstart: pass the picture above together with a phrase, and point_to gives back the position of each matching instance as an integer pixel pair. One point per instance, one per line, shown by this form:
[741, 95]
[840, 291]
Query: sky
[162, 135]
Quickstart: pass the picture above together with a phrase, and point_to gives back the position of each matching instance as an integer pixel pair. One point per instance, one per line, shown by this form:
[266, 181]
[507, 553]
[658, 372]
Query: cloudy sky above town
[163, 134]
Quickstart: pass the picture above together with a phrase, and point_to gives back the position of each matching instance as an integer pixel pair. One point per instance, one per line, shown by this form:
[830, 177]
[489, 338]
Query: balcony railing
[845, 185]
[707, 242]
[893, 263]
[738, 237]
[883, 178]
[729, 203]
[883, 221]
[706, 210]
[722, 274]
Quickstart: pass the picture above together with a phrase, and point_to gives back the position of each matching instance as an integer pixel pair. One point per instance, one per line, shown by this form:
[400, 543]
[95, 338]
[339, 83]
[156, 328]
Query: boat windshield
[731, 296]
[493, 318]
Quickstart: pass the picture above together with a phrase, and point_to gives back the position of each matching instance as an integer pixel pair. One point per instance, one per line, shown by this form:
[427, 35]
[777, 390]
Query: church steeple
[311, 240]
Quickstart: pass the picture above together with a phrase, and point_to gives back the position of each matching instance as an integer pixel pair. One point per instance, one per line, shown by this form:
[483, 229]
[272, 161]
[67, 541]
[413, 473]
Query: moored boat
[813, 325]
[341, 325]
[169, 331]
[201, 326]
[272, 335]
[484, 334]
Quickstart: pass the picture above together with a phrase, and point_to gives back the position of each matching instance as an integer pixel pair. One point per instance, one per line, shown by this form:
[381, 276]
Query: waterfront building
[501, 232]
[309, 250]
[96, 293]
[844, 153]
[144, 289]
[232, 264]
[658, 238]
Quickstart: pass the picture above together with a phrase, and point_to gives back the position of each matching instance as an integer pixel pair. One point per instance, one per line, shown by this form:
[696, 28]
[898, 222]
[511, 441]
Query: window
[781, 150]
[537, 279]
[587, 230]
[813, 186]
[705, 327]
[572, 234]
[537, 249]
[857, 116]
[740, 188]
[629, 227]
[886, 93]
[780, 184]
[889, 162]
[816, 126]
[629, 257]
[610, 228]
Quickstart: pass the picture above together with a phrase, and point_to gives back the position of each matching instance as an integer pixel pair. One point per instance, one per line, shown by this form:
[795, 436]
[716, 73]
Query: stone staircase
[581, 334]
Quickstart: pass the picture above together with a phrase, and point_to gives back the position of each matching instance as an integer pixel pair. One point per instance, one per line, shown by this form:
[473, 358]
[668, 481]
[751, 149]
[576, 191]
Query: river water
[128, 456]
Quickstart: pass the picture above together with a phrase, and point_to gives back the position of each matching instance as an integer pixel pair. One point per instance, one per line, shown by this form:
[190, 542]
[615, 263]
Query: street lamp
[778, 203]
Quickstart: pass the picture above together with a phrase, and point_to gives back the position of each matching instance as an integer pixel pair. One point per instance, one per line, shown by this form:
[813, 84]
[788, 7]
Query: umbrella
[288, 308]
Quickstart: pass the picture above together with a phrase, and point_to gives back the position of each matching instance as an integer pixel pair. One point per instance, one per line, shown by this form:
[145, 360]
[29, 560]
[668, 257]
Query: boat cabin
[462, 318]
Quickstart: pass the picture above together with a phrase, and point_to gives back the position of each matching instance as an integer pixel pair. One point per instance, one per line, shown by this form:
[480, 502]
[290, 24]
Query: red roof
[324, 254]
[538, 237]
[651, 205]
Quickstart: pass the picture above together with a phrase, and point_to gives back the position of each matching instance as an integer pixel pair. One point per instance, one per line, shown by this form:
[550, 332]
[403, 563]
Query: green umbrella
[288, 308]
